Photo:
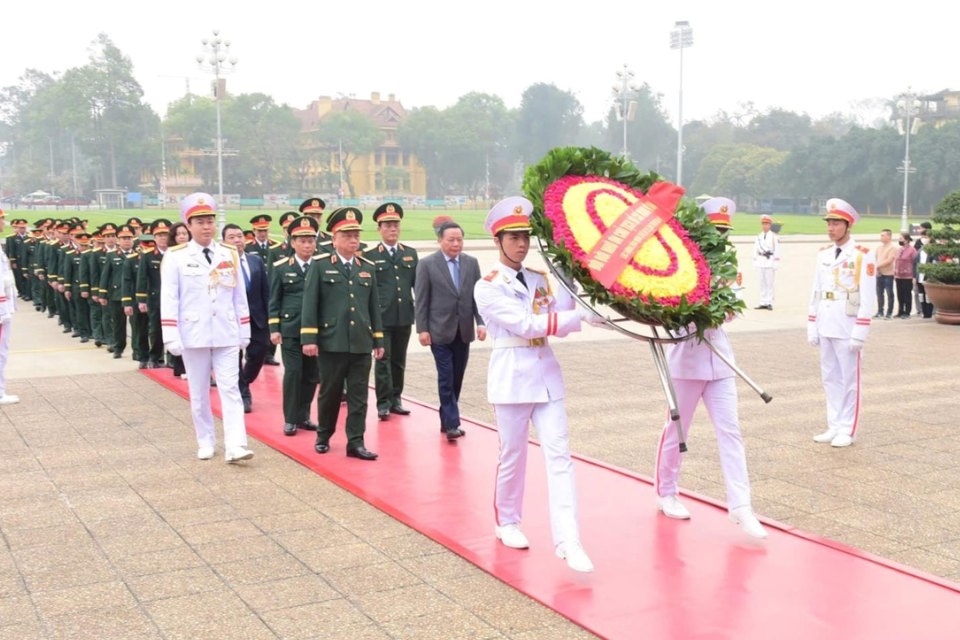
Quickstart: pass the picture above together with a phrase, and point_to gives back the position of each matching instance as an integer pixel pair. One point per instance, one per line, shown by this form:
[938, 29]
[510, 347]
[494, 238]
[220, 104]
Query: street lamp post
[908, 105]
[215, 60]
[680, 37]
[626, 108]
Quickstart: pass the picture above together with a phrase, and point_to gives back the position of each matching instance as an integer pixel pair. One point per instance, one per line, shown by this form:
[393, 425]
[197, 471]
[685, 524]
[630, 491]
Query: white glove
[812, 336]
[855, 345]
[175, 348]
[244, 344]
[591, 317]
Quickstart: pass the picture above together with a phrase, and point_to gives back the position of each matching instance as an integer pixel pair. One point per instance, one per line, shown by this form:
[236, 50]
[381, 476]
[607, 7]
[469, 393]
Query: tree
[548, 117]
[354, 133]
[651, 140]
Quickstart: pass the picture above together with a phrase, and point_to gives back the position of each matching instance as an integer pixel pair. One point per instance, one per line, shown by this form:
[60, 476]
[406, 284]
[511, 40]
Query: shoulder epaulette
[228, 246]
[133, 255]
[70, 252]
[862, 249]
[85, 252]
[12, 235]
[282, 261]
[321, 256]
[178, 247]
[363, 259]
[150, 250]
[490, 276]
[825, 247]
[274, 244]
[537, 271]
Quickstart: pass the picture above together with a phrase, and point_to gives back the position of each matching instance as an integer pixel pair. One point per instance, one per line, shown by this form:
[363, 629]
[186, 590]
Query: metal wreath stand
[656, 336]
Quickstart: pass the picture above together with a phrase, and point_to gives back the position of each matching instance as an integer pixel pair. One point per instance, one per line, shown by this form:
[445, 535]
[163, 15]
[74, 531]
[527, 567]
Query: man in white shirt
[766, 258]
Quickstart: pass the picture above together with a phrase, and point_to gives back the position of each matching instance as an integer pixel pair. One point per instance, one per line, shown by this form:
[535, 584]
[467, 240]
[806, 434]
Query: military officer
[842, 302]
[699, 374]
[341, 325]
[148, 290]
[14, 247]
[30, 262]
[139, 323]
[73, 284]
[314, 207]
[525, 384]
[396, 273]
[56, 264]
[300, 376]
[204, 315]
[111, 288]
[262, 245]
[285, 248]
[90, 286]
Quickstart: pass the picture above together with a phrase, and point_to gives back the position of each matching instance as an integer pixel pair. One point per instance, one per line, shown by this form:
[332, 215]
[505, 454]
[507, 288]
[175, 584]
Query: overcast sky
[816, 56]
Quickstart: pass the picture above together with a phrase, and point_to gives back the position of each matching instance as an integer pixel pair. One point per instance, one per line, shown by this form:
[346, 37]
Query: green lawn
[417, 224]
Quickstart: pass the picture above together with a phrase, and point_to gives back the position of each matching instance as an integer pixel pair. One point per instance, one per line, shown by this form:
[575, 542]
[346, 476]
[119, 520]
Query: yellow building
[387, 171]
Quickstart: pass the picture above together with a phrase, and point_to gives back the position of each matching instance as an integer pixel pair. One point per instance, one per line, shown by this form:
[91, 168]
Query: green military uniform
[14, 249]
[139, 329]
[148, 292]
[59, 260]
[341, 315]
[30, 262]
[111, 290]
[300, 373]
[90, 285]
[80, 308]
[396, 274]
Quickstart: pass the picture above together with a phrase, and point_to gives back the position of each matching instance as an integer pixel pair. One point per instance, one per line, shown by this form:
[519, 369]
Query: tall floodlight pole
[680, 37]
[215, 60]
[626, 108]
[907, 107]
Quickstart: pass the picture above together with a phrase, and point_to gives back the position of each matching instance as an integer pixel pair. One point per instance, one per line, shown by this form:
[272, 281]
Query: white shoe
[5, 399]
[841, 440]
[183, 376]
[748, 522]
[672, 507]
[511, 536]
[577, 559]
[205, 453]
[238, 454]
[826, 436]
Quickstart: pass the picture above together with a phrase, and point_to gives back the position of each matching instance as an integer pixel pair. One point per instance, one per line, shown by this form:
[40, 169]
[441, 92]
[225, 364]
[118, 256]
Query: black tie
[522, 280]
[836, 254]
[303, 267]
[206, 254]
[346, 267]
[393, 252]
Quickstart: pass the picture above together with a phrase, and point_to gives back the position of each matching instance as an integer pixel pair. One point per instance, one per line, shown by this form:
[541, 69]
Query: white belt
[510, 342]
[834, 295]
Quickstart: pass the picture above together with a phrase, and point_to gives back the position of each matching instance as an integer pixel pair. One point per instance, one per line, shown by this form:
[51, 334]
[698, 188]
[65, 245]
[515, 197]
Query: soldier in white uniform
[524, 382]
[766, 258]
[698, 374]
[8, 304]
[842, 303]
[204, 316]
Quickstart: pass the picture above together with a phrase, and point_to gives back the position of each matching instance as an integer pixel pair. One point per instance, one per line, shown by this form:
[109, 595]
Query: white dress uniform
[203, 309]
[839, 279]
[766, 242]
[8, 305]
[697, 374]
[524, 383]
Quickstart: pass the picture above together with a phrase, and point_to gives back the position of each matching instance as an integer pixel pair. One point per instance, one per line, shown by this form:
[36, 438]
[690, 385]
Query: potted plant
[942, 273]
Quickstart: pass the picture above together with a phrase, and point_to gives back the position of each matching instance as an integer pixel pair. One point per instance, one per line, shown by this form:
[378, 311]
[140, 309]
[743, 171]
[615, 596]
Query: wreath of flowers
[678, 277]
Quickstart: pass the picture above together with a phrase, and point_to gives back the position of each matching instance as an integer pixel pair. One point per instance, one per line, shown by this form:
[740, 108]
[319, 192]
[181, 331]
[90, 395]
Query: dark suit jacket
[258, 292]
[440, 308]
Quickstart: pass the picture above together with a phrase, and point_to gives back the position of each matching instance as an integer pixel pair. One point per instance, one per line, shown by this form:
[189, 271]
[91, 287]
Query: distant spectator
[918, 244]
[886, 256]
[903, 273]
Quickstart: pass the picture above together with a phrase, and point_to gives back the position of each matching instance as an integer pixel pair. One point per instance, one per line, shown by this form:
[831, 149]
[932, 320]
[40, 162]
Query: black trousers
[254, 354]
[904, 296]
[335, 370]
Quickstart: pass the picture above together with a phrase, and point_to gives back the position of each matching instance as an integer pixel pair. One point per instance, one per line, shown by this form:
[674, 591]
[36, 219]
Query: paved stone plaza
[112, 529]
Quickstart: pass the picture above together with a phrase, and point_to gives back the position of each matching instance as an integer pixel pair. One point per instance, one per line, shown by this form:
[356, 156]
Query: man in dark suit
[341, 325]
[445, 317]
[396, 273]
[258, 297]
[287, 281]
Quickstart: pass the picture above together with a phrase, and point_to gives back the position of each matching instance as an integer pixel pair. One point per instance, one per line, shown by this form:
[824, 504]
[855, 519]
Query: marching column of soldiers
[103, 286]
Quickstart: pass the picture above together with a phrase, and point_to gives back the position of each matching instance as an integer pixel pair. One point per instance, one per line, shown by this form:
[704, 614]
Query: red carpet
[655, 578]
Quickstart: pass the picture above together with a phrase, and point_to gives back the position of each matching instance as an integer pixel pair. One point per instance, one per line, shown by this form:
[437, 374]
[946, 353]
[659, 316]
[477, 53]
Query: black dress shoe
[453, 434]
[270, 360]
[97, 343]
[84, 339]
[247, 406]
[321, 447]
[362, 453]
[400, 410]
[307, 426]
[143, 365]
[383, 414]
[117, 355]
[109, 349]
[289, 429]
[67, 330]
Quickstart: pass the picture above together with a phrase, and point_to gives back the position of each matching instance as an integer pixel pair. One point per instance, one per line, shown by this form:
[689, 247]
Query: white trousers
[720, 400]
[550, 421]
[766, 284]
[4, 353]
[224, 362]
[840, 373]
